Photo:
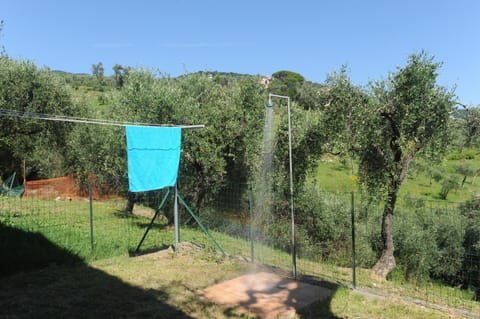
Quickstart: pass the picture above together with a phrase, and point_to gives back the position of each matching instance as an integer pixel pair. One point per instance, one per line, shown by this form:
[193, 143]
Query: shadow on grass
[141, 221]
[155, 225]
[322, 308]
[142, 252]
[26, 251]
[41, 280]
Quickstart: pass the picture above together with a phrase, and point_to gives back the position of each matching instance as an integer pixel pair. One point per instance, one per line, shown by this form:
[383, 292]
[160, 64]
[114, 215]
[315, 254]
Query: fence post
[354, 277]
[91, 215]
[176, 220]
[252, 251]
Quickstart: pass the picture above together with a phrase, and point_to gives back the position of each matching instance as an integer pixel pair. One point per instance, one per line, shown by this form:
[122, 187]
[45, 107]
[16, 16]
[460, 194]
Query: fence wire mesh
[437, 246]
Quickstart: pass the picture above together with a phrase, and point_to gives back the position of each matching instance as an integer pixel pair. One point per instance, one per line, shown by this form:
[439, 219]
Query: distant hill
[70, 73]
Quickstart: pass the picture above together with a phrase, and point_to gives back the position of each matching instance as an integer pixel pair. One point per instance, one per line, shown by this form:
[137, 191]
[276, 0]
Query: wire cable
[62, 118]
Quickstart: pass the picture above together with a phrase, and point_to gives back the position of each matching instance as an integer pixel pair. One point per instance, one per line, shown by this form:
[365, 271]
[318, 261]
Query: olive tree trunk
[386, 263]
[131, 199]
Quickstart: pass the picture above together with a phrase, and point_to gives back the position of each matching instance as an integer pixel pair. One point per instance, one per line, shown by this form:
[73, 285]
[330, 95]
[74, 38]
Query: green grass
[164, 285]
[99, 103]
[347, 303]
[418, 184]
[334, 176]
[66, 224]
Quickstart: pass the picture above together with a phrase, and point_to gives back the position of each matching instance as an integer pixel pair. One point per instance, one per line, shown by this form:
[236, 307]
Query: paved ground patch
[265, 295]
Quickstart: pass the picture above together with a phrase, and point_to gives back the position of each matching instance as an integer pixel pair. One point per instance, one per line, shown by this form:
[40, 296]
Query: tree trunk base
[384, 265]
[130, 203]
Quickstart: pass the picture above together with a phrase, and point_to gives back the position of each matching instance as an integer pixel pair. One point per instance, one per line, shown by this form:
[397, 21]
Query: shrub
[448, 184]
[471, 263]
[429, 243]
[414, 247]
[326, 219]
[463, 155]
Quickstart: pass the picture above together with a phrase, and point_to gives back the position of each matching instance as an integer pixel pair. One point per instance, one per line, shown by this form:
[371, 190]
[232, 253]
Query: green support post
[354, 275]
[252, 251]
[157, 211]
[205, 230]
[91, 215]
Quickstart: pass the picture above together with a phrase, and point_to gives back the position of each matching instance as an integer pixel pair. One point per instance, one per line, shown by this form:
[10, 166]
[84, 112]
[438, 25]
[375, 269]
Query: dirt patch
[265, 295]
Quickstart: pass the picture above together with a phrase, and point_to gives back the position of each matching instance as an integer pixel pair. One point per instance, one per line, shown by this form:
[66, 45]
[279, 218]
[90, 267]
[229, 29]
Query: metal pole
[91, 215]
[252, 251]
[354, 275]
[175, 219]
[205, 230]
[292, 214]
[157, 211]
[290, 162]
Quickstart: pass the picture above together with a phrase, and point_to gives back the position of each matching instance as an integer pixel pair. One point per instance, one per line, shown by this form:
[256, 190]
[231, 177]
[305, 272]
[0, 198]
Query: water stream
[263, 195]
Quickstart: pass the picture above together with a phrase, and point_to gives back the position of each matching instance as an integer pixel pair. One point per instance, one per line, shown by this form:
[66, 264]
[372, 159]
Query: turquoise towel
[153, 157]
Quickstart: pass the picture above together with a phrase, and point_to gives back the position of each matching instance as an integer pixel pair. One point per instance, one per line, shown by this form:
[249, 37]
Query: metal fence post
[354, 277]
[252, 251]
[91, 215]
[176, 220]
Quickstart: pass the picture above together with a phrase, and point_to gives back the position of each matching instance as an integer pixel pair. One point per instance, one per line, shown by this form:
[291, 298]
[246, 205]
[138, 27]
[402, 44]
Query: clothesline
[61, 118]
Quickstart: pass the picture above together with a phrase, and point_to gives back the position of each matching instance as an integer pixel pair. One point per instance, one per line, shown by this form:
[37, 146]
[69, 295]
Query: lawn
[336, 176]
[56, 274]
[164, 285]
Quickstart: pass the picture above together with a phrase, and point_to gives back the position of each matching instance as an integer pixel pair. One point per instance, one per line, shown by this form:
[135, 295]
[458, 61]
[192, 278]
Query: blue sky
[312, 38]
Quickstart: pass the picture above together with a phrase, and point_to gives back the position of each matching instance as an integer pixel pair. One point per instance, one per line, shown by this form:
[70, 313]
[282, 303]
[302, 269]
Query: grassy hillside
[97, 102]
[336, 176]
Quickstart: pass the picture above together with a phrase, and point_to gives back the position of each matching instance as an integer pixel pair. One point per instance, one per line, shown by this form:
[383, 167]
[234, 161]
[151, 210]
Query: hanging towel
[153, 155]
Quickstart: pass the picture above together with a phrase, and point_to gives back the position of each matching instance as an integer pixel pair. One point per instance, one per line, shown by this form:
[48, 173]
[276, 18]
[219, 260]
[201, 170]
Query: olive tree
[465, 169]
[224, 150]
[120, 73]
[99, 72]
[386, 127]
[2, 48]
[213, 156]
[26, 89]
[472, 127]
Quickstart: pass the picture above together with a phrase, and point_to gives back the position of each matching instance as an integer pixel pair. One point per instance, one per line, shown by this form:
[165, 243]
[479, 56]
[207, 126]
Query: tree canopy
[25, 88]
[286, 83]
[221, 153]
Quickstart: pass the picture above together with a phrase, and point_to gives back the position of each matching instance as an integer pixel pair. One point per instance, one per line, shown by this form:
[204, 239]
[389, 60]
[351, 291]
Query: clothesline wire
[71, 119]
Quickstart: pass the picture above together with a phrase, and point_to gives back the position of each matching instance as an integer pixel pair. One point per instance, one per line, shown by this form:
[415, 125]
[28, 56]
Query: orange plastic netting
[64, 187]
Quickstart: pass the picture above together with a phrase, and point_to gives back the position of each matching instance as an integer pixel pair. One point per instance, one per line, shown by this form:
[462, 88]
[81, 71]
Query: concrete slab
[265, 295]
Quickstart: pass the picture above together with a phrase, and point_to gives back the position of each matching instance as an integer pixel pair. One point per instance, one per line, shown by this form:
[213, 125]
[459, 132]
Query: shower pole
[292, 212]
